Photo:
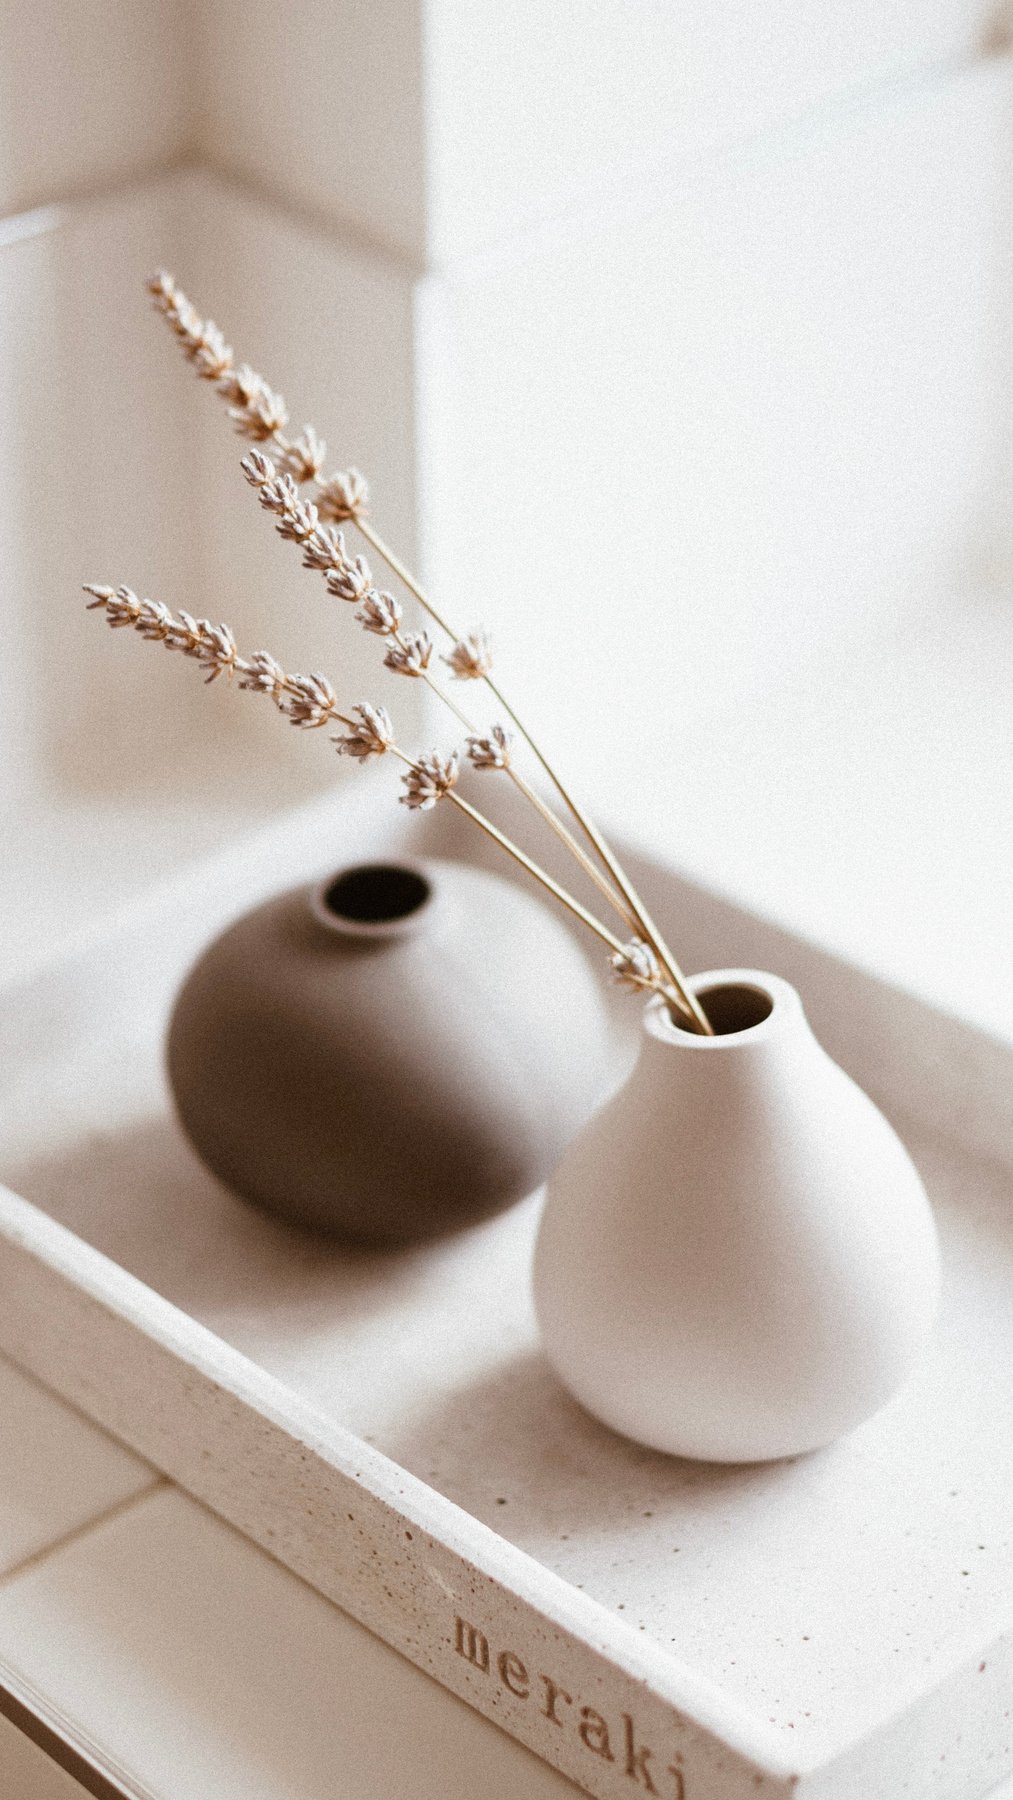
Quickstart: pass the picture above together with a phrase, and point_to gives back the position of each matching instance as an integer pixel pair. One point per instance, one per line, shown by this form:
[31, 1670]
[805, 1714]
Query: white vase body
[737, 1260]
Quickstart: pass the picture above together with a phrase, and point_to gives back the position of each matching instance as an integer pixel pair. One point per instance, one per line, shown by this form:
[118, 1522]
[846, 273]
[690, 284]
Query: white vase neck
[771, 1003]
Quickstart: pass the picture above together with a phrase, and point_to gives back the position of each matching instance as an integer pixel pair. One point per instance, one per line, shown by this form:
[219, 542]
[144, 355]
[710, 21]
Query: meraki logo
[614, 1741]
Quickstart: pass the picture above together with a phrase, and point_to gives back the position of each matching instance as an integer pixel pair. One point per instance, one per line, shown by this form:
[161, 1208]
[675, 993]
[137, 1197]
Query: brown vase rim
[389, 897]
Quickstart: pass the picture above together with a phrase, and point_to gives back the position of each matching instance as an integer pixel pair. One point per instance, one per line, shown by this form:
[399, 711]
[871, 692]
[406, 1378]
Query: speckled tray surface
[836, 1626]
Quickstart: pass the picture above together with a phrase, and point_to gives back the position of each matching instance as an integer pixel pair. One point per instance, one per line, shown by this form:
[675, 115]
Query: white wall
[94, 92]
[743, 423]
[340, 133]
[676, 342]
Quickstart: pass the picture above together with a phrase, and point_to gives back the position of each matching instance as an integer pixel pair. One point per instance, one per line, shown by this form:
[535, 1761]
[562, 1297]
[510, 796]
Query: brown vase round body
[392, 1054]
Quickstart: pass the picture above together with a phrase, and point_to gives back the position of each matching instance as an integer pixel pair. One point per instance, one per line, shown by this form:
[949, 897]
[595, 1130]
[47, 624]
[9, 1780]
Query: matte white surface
[206, 1669]
[342, 135]
[610, 93]
[401, 119]
[398, 120]
[75, 366]
[736, 1259]
[90, 93]
[795, 434]
[57, 1470]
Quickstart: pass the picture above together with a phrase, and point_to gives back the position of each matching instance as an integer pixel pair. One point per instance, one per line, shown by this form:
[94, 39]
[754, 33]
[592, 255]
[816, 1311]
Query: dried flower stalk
[636, 965]
[371, 735]
[686, 1002]
[471, 657]
[408, 654]
[309, 701]
[432, 777]
[260, 415]
[492, 752]
[342, 497]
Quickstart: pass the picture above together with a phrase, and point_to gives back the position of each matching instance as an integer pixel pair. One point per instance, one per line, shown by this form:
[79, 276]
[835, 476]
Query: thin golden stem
[539, 874]
[534, 799]
[441, 694]
[618, 874]
[519, 856]
[545, 812]
[393, 562]
[641, 917]
[639, 911]
[576, 850]
[198, 337]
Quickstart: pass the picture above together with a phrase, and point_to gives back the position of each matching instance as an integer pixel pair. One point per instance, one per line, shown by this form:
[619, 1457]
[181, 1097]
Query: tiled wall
[676, 341]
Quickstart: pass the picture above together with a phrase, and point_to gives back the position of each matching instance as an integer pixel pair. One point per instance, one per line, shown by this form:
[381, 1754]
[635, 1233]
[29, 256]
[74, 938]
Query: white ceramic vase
[737, 1260]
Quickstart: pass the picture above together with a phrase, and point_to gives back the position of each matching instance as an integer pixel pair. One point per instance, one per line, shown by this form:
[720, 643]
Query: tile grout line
[77, 1532]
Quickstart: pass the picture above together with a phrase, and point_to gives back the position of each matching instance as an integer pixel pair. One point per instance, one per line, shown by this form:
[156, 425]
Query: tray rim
[70, 1314]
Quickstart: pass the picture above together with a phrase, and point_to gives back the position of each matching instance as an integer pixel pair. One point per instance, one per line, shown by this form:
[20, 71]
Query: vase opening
[374, 894]
[732, 1008]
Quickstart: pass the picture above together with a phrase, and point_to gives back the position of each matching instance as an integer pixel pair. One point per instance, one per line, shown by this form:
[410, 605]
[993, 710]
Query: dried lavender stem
[445, 775]
[441, 694]
[260, 415]
[301, 525]
[636, 906]
[576, 850]
[532, 868]
[310, 702]
[534, 799]
[560, 893]
[542, 875]
[404, 575]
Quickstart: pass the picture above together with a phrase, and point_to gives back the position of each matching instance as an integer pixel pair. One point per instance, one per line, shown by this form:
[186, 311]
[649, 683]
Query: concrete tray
[835, 1626]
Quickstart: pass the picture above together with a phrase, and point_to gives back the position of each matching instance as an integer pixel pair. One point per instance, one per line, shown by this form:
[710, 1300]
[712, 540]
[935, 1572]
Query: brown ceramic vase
[399, 1051]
